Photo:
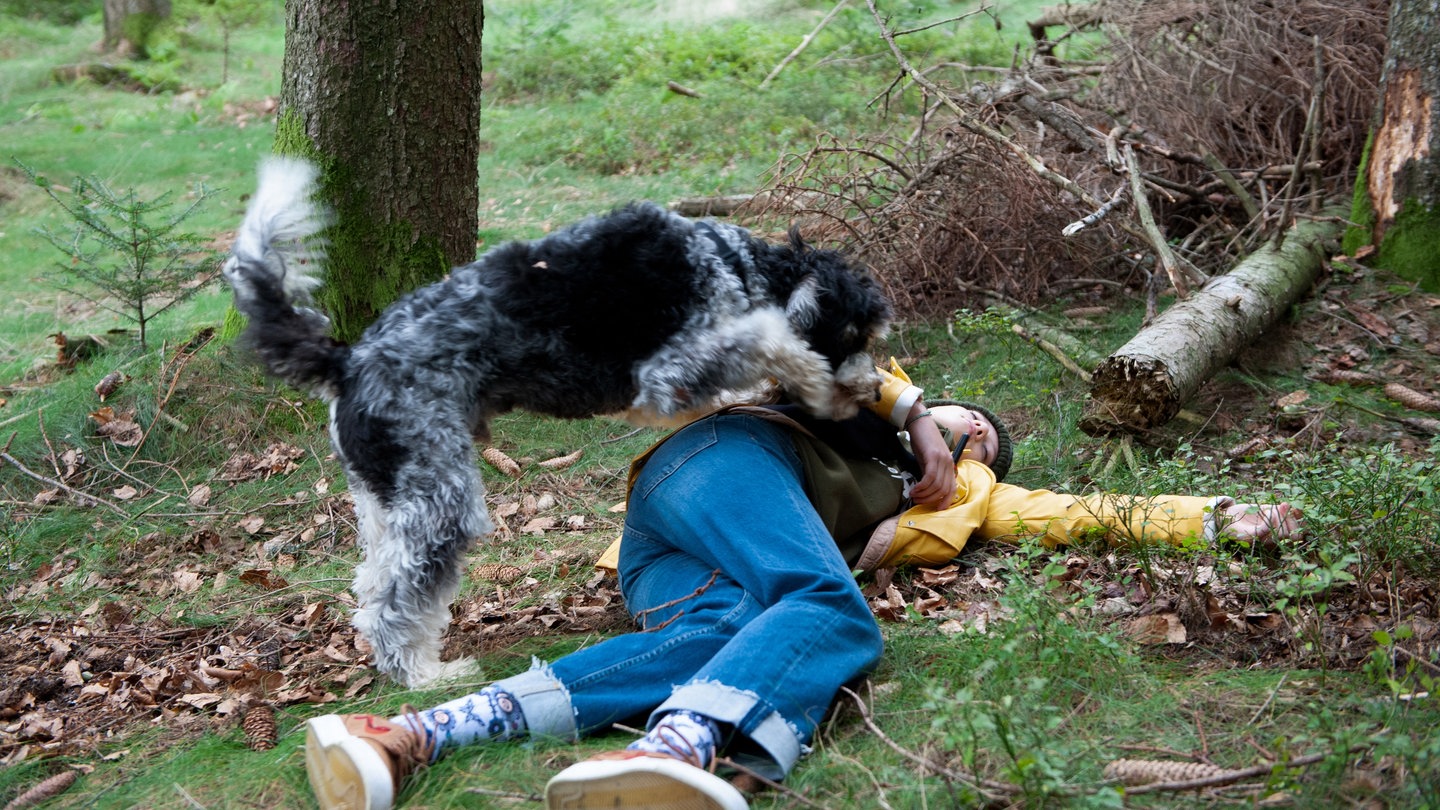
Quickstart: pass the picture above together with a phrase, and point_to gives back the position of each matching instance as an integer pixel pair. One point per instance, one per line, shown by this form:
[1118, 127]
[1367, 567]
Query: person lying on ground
[742, 533]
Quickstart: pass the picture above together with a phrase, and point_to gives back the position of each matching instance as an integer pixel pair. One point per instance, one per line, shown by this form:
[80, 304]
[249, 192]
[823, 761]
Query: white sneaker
[357, 761]
[640, 780]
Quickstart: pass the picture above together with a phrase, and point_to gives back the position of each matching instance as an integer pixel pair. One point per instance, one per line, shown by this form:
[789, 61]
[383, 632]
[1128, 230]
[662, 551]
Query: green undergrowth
[577, 119]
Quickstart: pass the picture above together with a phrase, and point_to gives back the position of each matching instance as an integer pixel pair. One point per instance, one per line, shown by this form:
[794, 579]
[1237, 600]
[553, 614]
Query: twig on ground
[506, 794]
[1054, 351]
[82, 495]
[992, 791]
[770, 783]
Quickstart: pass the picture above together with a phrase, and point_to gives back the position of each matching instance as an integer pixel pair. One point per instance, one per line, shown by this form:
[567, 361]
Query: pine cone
[259, 725]
[561, 462]
[48, 789]
[1342, 375]
[1135, 772]
[498, 573]
[1411, 398]
[500, 461]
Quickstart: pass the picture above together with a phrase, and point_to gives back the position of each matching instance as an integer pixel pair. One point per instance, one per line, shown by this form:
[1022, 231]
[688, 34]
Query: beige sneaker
[640, 780]
[357, 761]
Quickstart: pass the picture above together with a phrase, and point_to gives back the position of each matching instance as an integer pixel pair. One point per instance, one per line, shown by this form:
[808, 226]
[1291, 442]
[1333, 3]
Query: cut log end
[1129, 393]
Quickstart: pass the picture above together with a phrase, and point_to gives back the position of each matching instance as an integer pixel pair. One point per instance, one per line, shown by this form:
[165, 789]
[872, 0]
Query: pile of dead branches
[1204, 130]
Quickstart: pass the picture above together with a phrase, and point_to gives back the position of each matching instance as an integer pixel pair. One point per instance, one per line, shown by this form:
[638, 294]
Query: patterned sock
[681, 734]
[490, 714]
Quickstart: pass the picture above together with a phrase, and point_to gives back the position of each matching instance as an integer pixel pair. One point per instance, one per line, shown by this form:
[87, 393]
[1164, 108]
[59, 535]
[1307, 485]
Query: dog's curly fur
[640, 310]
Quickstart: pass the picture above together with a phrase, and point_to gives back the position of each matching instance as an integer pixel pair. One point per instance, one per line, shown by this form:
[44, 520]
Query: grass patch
[576, 120]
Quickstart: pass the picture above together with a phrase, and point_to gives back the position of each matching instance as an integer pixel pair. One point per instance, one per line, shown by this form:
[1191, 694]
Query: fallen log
[1143, 385]
[722, 206]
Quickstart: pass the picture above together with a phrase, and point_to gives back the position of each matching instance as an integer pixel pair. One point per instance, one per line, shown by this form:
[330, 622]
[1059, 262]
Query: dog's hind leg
[414, 554]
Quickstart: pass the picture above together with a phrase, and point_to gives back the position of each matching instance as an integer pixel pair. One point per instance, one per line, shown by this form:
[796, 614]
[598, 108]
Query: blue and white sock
[682, 734]
[492, 714]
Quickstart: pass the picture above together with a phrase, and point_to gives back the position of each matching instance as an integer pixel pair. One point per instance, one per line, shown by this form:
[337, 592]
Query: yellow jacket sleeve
[1120, 519]
[897, 395]
[996, 511]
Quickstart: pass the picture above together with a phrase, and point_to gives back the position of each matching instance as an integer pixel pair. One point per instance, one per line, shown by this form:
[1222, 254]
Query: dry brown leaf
[499, 573]
[124, 493]
[199, 496]
[1292, 399]
[1158, 628]
[47, 497]
[935, 577]
[201, 700]
[277, 459]
[120, 429]
[186, 581]
[263, 578]
[538, 525]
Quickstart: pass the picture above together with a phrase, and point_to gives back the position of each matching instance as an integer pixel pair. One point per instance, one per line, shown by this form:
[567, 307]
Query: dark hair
[1005, 450]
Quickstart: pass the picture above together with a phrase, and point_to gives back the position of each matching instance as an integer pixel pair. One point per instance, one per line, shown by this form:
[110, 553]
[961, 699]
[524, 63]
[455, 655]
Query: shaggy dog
[640, 310]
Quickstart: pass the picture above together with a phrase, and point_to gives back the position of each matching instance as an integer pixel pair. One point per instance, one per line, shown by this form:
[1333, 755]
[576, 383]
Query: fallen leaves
[104, 678]
[120, 428]
[277, 459]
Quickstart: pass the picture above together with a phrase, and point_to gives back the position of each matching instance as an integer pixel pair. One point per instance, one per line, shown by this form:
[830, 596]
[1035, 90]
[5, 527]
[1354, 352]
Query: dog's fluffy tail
[276, 263]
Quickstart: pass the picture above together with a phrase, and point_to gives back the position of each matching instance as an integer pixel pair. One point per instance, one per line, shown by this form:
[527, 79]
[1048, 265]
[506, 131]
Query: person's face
[983, 445]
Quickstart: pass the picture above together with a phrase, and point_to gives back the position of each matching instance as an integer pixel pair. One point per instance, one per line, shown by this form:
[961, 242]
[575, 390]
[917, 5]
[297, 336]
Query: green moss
[291, 139]
[383, 262]
[1362, 213]
[369, 265]
[1411, 246]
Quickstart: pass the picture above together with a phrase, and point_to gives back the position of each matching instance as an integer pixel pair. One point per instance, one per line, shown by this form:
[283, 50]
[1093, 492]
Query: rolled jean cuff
[732, 706]
[543, 700]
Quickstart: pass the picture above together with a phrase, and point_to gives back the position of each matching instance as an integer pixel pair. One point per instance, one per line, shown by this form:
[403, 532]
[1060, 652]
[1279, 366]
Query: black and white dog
[640, 310]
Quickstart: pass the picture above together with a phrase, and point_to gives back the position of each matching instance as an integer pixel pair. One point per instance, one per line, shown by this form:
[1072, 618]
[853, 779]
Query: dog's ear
[803, 307]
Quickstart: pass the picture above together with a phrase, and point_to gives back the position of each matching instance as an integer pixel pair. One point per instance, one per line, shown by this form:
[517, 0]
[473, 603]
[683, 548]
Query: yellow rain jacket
[997, 511]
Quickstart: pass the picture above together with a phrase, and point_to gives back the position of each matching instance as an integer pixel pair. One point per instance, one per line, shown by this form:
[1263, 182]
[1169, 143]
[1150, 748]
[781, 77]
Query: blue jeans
[750, 614]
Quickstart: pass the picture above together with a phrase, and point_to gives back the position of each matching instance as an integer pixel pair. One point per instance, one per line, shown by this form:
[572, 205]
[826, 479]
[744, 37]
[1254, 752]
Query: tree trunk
[1397, 197]
[129, 23]
[1143, 385]
[387, 101]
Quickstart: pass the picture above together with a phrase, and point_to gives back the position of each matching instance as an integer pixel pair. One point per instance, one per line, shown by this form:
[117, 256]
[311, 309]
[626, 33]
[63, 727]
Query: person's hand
[936, 487]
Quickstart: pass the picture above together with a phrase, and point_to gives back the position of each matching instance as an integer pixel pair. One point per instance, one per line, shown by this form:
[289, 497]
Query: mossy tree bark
[386, 99]
[1145, 383]
[1397, 197]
